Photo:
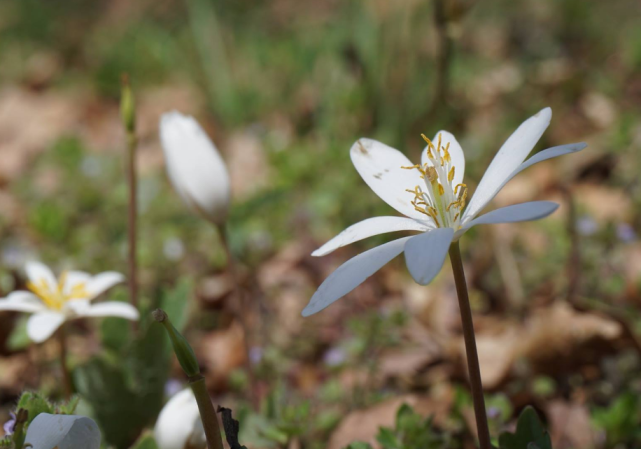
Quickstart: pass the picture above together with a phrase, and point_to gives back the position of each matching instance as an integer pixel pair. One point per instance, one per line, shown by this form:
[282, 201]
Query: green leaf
[530, 433]
[69, 407]
[388, 439]
[115, 333]
[146, 441]
[18, 339]
[176, 301]
[359, 445]
[34, 403]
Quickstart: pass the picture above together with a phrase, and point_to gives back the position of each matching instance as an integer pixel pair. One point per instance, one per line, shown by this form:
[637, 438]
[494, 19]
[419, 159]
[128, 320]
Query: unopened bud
[127, 106]
[182, 349]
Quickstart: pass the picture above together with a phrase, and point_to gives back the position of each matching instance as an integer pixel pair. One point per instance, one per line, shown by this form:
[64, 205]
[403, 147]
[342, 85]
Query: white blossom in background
[62, 432]
[195, 167]
[179, 425]
[53, 301]
[433, 198]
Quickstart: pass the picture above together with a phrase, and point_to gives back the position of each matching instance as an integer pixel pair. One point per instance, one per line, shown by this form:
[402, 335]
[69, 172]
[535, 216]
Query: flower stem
[207, 412]
[474, 370]
[238, 308]
[66, 376]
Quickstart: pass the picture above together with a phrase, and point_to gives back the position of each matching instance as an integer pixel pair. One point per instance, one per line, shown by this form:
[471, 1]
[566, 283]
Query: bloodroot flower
[62, 432]
[433, 197]
[179, 425]
[54, 301]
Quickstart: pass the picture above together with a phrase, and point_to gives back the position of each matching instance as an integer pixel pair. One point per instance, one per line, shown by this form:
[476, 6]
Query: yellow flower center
[440, 200]
[56, 298]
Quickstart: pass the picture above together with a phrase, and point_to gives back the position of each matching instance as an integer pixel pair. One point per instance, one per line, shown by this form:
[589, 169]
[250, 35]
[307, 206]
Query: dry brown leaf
[570, 425]
[222, 351]
[248, 165]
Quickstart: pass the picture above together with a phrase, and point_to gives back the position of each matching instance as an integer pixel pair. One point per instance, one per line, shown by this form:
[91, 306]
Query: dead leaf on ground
[222, 351]
[570, 425]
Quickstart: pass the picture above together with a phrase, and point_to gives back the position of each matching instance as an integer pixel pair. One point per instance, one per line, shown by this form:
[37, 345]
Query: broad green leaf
[530, 433]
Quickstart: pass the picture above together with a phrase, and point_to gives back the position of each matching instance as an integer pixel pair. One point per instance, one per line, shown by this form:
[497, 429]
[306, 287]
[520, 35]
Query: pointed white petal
[42, 325]
[510, 156]
[352, 274]
[456, 152]
[38, 272]
[380, 167]
[111, 308]
[22, 301]
[369, 228]
[533, 210]
[102, 282]
[63, 432]
[541, 156]
[179, 423]
[425, 253]
[195, 167]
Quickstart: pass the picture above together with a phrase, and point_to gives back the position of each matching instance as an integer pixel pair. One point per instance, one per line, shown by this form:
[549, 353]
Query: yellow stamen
[450, 175]
[441, 190]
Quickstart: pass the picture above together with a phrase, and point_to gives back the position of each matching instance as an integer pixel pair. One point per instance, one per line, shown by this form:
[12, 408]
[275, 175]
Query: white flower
[432, 196]
[53, 302]
[63, 432]
[179, 425]
[195, 167]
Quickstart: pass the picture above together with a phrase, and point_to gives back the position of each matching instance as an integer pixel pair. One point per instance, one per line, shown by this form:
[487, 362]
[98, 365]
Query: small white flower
[195, 167]
[54, 301]
[63, 432]
[433, 197]
[179, 425]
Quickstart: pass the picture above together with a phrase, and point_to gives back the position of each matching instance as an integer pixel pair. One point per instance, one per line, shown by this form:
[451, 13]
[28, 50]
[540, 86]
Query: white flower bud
[179, 425]
[195, 167]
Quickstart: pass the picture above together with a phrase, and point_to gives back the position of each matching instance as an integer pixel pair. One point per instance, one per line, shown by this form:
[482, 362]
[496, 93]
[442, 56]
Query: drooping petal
[195, 167]
[425, 253]
[38, 272]
[63, 432]
[380, 167]
[541, 156]
[42, 325]
[369, 228]
[352, 274]
[22, 301]
[102, 282]
[179, 424]
[456, 153]
[110, 308]
[510, 156]
[533, 210]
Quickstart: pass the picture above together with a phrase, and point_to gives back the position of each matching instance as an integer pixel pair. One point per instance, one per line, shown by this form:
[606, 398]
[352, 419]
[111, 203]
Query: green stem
[207, 413]
[132, 143]
[239, 309]
[474, 370]
[66, 376]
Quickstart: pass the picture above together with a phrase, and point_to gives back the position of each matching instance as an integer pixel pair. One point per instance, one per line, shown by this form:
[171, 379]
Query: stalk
[238, 308]
[474, 370]
[66, 376]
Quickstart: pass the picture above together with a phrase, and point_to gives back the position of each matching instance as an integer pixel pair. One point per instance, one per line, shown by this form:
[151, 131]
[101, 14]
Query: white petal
[179, 423]
[42, 325]
[456, 153]
[111, 308]
[195, 167]
[538, 157]
[73, 279]
[63, 431]
[22, 301]
[425, 253]
[511, 214]
[510, 156]
[369, 228]
[102, 282]
[380, 167]
[38, 272]
[352, 274]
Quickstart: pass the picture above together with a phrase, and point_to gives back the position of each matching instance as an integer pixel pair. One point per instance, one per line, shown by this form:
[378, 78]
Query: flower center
[56, 298]
[439, 198]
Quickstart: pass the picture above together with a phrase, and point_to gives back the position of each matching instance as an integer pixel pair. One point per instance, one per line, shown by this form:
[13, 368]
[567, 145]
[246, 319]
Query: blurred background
[284, 88]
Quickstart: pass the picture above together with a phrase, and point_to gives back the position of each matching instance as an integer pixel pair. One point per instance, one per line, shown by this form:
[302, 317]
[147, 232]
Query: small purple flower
[334, 357]
[625, 233]
[586, 225]
[10, 425]
[255, 355]
[172, 386]
[493, 412]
